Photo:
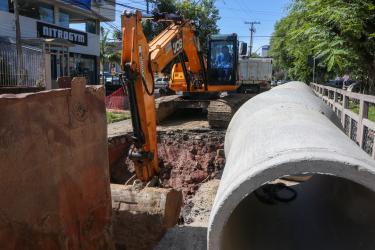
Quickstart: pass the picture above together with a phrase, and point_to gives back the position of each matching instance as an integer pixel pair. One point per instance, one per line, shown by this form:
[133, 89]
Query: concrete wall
[54, 182]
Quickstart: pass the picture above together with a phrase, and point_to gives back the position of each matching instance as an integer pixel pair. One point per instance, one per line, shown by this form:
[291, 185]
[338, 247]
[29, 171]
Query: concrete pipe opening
[288, 131]
[324, 212]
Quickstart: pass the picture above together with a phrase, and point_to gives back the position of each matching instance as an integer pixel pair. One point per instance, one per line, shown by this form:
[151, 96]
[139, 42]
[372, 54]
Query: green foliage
[108, 53]
[354, 107]
[117, 116]
[203, 13]
[337, 33]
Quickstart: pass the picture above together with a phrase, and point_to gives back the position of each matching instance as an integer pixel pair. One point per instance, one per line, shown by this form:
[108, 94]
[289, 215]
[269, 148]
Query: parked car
[340, 83]
[273, 83]
[111, 82]
[162, 82]
[110, 79]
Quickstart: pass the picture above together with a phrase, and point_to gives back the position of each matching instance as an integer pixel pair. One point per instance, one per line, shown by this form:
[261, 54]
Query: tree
[108, 52]
[203, 13]
[337, 33]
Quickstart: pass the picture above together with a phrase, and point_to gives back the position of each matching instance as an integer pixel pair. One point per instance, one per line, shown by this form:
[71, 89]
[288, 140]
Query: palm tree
[108, 53]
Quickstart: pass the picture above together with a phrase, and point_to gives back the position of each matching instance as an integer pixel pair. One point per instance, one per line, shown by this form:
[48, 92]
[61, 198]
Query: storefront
[84, 65]
[68, 31]
[59, 44]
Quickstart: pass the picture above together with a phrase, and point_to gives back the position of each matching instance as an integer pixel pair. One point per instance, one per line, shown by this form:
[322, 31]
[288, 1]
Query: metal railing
[353, 111]
[32, 69]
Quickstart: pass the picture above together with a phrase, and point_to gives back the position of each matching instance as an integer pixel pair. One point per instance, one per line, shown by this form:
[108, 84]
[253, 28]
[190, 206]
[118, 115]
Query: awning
[49, 41]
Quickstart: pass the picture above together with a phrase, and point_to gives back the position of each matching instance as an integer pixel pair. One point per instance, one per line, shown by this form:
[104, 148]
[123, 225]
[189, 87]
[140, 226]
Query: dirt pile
[190, 158]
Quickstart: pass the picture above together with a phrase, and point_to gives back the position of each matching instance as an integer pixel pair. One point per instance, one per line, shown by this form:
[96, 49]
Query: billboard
[52, 31]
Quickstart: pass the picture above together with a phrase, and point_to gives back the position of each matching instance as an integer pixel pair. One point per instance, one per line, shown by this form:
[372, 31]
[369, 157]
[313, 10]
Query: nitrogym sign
[52, 31]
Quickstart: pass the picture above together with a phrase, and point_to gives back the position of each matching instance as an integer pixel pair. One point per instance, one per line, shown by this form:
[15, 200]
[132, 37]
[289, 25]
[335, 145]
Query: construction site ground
[193, 159]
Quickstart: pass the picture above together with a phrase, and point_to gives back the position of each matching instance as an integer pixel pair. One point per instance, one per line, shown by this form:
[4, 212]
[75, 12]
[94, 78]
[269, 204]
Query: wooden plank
[141, 216]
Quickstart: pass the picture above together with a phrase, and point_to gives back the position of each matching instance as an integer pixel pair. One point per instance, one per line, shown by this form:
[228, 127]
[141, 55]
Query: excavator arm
[135, 62]
[139, 61]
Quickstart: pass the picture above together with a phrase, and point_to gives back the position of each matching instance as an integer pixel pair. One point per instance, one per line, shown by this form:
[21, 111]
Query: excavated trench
[327, 213]
[188, 159]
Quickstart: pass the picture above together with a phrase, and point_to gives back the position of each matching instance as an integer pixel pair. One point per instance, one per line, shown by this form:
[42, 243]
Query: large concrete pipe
[284, 132]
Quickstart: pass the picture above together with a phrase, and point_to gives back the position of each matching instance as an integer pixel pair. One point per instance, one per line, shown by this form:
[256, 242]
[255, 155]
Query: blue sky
[235, 12]
[233, 15]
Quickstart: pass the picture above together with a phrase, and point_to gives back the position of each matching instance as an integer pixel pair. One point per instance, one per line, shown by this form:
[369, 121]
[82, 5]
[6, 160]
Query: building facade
[66, 31]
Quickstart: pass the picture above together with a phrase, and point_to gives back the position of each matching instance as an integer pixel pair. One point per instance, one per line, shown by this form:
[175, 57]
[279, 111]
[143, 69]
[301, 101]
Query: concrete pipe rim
[359, 171]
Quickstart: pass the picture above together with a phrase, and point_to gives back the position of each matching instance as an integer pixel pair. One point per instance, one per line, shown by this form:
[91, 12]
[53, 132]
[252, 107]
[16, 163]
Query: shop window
[64, 19]
[26, 8]
[34, 10]
[87, 26]
[78, 26]
[83, 65]
[4, 5]
[46, 13]
[91, 26]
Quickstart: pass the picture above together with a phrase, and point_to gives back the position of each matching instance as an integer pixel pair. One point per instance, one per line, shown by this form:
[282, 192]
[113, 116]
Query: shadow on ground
[184, 238]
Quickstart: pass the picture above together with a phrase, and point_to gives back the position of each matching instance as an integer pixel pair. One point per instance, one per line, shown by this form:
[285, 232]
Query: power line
[96, 14]
[265, 12]
[126, 5]
[137, 2]
[262, 36]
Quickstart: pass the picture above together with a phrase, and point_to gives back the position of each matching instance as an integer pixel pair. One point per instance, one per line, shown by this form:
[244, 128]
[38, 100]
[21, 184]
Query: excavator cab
[222, 59]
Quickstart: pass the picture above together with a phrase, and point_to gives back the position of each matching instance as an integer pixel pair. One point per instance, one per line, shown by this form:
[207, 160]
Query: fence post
[363, 113]
[47, 70]
[344, 106]
[335, 97]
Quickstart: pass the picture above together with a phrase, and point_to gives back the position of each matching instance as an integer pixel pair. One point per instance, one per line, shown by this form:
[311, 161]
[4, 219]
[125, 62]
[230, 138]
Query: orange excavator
[192, 74]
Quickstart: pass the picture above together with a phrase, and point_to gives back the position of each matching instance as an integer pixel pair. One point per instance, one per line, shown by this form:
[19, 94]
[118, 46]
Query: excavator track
[221, 111]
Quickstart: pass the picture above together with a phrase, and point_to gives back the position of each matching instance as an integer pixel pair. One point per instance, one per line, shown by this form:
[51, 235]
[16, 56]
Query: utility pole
[147, 7]
[18, 42]
[252, 31]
